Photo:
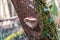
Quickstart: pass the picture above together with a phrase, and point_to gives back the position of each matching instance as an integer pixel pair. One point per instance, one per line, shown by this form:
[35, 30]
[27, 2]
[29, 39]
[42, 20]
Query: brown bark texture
[24, 10]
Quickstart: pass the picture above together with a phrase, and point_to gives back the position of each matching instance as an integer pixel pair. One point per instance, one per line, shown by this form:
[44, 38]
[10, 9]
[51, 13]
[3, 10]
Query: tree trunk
[25, 8]
[27, 12]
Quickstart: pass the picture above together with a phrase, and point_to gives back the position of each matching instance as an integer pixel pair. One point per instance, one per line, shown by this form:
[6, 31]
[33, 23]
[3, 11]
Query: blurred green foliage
[49, 27]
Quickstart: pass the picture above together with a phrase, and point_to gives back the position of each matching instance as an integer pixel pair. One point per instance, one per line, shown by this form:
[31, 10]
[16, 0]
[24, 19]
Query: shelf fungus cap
[31, 22]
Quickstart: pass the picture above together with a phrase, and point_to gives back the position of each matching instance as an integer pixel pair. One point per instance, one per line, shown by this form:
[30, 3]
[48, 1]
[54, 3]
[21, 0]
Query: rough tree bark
[25, 8]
